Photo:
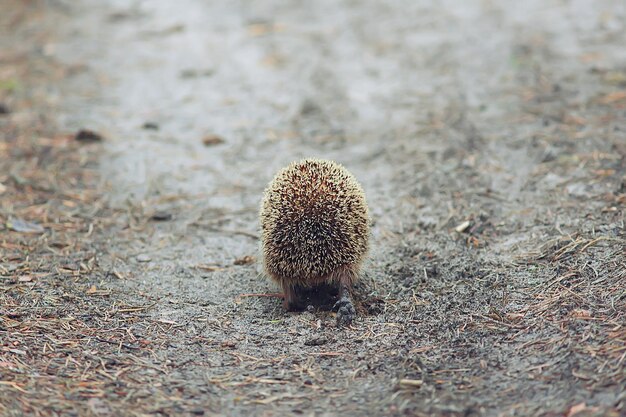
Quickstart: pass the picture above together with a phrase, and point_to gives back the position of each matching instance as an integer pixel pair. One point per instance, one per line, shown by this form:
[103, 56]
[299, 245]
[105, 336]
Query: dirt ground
[490, 138]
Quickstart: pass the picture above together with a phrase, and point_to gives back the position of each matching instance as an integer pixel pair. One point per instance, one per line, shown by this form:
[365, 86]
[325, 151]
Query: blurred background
[137, 139]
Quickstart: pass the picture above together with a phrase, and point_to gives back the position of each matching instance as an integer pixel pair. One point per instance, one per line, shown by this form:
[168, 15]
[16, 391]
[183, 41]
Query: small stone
[212, 140]
[161, 216]
[310, 107]
[462, 227]
[577, 189]
[150, 126]
[316, 341]
[4, 109]
[85, 135]
[143, 258]
[23, 226]
[194, 73]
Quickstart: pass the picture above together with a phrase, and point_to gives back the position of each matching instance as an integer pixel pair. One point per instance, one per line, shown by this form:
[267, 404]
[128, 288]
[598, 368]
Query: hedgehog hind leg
[345, 308]
[291, 300]
[346, 312]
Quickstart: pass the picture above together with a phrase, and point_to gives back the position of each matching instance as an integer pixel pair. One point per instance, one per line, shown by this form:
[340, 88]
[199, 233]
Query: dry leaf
[209, 268]
[613, 97]
[514, 317]
[575, 409]
[581, 313]
[246, 260]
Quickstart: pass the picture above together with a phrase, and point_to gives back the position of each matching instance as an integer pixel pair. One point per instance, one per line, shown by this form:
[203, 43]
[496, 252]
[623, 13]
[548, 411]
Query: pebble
[143, 258]
[85, 135]
[161, 216]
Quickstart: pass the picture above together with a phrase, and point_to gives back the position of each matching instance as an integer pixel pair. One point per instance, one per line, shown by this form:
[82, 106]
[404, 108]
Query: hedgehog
[315, 231]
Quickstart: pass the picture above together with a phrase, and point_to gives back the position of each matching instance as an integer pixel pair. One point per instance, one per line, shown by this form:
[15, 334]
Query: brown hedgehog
[315, 231]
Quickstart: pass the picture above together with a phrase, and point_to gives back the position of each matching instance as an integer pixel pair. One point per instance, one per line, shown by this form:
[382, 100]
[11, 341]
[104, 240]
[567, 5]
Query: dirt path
[490, 141]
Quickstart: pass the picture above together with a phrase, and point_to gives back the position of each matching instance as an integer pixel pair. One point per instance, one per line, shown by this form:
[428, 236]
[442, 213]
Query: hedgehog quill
[315, 231]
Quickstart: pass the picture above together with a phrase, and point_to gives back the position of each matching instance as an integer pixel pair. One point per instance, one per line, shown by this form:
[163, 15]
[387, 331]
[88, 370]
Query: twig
[274, 294]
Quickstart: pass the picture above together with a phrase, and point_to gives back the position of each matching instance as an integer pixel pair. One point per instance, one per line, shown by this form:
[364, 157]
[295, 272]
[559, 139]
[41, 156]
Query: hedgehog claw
[345, 311]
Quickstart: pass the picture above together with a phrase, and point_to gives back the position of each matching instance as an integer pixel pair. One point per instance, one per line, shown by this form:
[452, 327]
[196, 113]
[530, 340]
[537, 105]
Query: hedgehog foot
[345, 309]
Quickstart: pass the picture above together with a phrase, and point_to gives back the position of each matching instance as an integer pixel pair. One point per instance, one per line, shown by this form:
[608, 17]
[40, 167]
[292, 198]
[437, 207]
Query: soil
[138, 137]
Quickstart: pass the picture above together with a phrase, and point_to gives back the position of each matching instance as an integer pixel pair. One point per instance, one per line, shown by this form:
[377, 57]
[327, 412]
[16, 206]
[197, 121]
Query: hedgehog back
[314, 222]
